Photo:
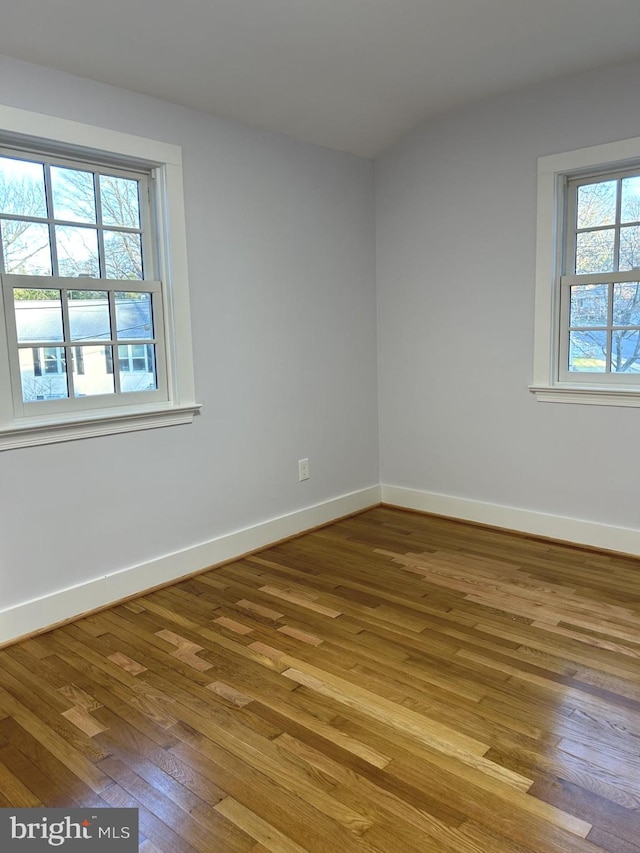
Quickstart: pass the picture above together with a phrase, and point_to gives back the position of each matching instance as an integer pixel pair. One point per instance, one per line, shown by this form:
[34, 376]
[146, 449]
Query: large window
[58, 220]
[600, 296]
[588, 276]
[95, 304]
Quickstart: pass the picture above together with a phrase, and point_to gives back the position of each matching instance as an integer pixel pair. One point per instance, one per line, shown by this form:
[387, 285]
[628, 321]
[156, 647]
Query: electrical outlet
[303, 469]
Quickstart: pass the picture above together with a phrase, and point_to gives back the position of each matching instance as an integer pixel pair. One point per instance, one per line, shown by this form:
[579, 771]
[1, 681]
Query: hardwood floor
[393, 682]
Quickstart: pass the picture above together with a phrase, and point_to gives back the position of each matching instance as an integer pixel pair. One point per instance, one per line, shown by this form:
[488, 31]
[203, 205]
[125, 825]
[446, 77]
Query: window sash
[144, 231]
[595, 377]
[72, 403]
[572, 231]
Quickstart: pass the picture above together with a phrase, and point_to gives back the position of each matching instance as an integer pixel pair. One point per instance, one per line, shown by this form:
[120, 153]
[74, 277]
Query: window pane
[77, 251]
[594, 251]
[38, 315]
[630, 247]
[137, 373]
[43, 374]
[587, 352]
[625, 351]
[73, 195]
[25, 246]
[22, 188]
[133, 315]
[630, 200]
[122, 255]
[119, 199]
[93, 371]
[597, 204]
[626, 304]
[89, 315]
[589, 305]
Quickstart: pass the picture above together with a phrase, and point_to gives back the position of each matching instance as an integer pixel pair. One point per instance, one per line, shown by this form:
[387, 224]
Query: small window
[600, 288]
[94, 301]
[588, 277]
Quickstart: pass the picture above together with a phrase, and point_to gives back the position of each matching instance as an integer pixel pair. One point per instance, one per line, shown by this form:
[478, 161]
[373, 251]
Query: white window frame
[550, 382]
[30, 131]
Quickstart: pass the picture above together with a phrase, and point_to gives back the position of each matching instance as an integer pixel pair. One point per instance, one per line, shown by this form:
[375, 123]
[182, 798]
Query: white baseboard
[577, 531]
[63, 605]
[39, 614]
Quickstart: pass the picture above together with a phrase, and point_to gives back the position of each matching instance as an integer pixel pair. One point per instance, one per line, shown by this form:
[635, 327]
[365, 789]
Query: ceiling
[355, 75]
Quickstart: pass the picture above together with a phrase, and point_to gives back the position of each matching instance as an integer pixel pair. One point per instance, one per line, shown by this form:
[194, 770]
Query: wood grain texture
[392, 682]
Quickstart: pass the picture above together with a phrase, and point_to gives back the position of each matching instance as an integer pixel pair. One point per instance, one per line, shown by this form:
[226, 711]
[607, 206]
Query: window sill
[587, 395]
[54, 429]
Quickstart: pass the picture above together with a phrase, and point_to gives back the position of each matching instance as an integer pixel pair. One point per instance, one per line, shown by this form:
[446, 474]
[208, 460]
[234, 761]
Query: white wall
[281, 255]
[281, 260]
[456, 206]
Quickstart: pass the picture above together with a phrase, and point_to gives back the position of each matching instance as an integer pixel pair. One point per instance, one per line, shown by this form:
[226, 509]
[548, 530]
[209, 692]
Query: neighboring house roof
[40, 321]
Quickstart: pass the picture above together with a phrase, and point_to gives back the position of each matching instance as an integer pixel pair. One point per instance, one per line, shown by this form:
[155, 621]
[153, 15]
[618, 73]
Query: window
[587, 335]
[65, 224]
[95, 332]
